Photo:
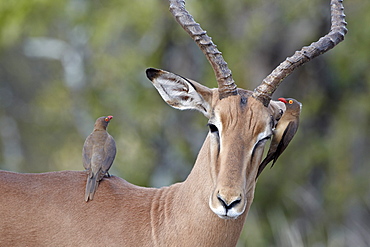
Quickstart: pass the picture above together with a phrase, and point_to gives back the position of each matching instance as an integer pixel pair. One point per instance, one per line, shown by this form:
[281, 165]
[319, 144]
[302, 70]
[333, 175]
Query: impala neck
[199, 181]
[188, 203]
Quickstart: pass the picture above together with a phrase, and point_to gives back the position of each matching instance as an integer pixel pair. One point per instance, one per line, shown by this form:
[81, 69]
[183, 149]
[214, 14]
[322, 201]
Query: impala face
[239, 126]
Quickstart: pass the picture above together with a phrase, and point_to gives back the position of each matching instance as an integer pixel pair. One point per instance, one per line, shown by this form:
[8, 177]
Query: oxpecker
[98, 153]
[284, 132]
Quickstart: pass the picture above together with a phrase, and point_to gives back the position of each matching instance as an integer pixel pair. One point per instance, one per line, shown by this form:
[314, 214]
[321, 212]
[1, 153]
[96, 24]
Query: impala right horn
[338, 29]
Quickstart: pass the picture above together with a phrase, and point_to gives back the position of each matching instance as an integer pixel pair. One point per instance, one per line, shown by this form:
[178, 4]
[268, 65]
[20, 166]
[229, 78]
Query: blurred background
[64, 63]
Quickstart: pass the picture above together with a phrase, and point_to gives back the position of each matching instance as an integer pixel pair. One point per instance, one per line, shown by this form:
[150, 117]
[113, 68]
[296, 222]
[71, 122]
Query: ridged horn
[226, 84]
[337, 32]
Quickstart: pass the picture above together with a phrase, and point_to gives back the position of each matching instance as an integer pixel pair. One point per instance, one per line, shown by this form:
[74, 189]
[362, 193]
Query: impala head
[240, 121]
[239, 126]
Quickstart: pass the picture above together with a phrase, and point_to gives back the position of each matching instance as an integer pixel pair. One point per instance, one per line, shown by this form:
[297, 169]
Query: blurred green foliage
[65, 63]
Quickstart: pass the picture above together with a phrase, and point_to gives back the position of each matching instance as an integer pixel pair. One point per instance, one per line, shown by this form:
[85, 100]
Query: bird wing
[110, 153]
[288, 135]
[274, 152]
[87, 152]
[273, 146]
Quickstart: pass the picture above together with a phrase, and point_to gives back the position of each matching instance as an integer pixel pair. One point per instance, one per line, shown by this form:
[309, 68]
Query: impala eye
[212, 128]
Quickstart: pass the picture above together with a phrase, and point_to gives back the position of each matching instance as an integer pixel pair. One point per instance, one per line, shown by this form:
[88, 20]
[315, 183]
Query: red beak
[283, 100]
[109, 118]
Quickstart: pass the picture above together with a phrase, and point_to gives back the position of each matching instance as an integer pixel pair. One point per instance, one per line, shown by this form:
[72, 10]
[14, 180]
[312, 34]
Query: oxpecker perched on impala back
[98, 153]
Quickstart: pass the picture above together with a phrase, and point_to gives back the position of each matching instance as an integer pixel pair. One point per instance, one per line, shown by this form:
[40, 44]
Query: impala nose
[228, 204]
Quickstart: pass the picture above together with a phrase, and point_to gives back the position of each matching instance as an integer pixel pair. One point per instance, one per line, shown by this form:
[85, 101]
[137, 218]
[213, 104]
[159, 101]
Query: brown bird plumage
[284, 132]
[98, 153]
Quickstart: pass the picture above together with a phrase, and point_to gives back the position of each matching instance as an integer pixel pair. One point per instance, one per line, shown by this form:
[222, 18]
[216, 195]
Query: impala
[207, 209]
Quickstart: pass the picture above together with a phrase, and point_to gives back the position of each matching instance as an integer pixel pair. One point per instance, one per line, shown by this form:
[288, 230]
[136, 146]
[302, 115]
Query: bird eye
[212, 128]
[106, 119]
[290, 101]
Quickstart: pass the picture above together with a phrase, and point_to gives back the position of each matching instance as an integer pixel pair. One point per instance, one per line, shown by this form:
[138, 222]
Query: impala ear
[181, 93]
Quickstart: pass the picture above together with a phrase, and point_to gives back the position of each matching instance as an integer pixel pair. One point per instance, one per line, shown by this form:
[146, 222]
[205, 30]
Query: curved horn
[338, 29]
[226, 84]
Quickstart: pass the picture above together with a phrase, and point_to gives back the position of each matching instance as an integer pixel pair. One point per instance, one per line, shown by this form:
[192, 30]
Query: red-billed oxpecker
[98, 153]
[285, 130]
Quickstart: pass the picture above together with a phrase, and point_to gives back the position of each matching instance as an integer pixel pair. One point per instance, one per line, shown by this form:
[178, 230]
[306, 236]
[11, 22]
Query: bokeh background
[63, 63]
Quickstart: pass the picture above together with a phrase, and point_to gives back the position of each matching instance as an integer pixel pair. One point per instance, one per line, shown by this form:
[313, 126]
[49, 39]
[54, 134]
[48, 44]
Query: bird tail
[91, 186]
[264, 163]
